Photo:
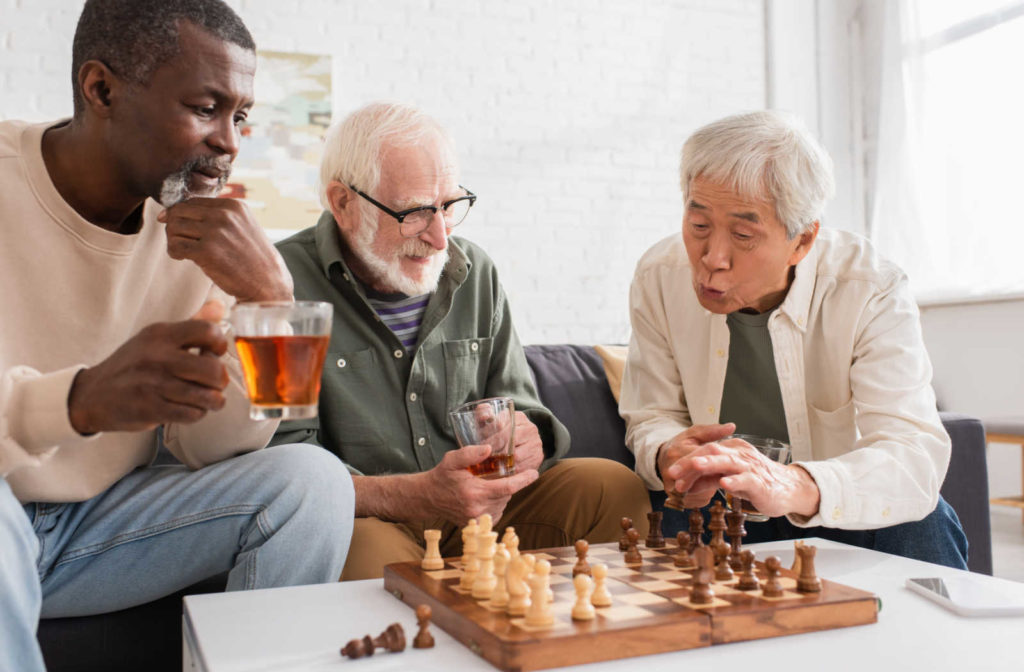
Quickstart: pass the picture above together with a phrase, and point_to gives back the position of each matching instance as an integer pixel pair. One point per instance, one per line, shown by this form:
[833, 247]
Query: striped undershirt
[403, 314]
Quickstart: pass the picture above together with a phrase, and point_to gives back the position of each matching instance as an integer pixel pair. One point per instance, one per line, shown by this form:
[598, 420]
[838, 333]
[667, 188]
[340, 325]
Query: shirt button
[421, 441]
[720, 352]
[800, 321]
[345, 277]
[412, 397]
[474, 346]
[711, 410]
[341, 363]
[886, 512]
[398, 354]
[836, 513]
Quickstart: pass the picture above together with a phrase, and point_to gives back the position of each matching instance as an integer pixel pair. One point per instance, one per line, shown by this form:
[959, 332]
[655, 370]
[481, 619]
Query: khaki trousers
[581, 498]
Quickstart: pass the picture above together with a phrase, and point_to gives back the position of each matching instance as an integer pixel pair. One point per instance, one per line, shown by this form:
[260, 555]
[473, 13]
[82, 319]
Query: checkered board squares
[651, 611]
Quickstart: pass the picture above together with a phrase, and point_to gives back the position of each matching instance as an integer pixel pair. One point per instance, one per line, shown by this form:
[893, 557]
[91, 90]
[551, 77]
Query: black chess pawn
[633, 556]
[581, 566]
[723, 572]
[717, 524]
[358, 648]
[683, 559]
[654, 536]
[625, 524]
[772, 586]
[748, 580]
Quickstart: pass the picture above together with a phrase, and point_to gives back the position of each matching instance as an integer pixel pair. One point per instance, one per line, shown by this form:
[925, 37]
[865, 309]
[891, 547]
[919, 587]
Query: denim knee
[307, 480]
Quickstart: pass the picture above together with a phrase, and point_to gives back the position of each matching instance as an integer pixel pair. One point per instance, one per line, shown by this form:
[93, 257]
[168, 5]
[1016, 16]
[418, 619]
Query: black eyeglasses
[414, 221]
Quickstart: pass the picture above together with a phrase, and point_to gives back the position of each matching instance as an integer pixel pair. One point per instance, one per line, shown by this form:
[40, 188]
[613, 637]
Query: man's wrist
[807, 498]
[78, 416]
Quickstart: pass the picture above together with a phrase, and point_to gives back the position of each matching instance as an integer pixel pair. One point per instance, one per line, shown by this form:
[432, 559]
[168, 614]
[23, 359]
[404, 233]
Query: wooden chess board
[651, 612]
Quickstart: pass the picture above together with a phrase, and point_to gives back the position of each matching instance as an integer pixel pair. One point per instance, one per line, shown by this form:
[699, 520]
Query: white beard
[175, 189]
[388, 275]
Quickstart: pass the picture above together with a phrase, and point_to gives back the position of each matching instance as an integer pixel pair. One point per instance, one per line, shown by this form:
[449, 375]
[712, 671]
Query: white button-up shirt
[853, 371]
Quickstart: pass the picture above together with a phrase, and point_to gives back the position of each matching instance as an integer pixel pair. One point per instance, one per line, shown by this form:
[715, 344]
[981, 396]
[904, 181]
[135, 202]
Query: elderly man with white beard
[421, 326]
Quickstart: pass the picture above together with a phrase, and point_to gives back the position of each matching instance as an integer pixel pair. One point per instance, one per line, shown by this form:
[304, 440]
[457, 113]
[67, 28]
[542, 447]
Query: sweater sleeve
[33, 416]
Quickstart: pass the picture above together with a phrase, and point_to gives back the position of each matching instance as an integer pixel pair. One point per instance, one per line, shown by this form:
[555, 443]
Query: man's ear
[99, 86]
[342, 203]
[804, 242]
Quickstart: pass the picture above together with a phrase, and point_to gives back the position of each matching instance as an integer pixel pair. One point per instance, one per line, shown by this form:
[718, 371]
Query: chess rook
[654, 536]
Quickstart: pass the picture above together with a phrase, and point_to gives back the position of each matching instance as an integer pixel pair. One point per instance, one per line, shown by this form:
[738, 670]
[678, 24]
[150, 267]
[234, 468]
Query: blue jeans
[275, 517]
[937, 538]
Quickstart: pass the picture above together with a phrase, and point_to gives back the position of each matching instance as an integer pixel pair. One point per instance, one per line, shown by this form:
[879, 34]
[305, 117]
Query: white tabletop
[303, 628]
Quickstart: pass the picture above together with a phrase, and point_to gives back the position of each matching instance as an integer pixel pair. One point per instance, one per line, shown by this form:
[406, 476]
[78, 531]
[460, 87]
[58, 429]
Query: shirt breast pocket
[466, 363]
[833, 432]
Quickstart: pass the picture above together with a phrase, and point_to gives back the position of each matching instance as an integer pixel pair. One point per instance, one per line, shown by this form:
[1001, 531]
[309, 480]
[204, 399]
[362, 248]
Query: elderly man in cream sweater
[110, 309]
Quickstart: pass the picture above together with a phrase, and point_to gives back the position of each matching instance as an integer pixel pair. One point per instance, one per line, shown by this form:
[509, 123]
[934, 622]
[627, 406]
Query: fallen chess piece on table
[423, 638]
[392, 639]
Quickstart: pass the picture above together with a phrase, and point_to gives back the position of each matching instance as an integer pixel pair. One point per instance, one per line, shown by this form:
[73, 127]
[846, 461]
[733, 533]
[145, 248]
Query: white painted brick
[569, 116]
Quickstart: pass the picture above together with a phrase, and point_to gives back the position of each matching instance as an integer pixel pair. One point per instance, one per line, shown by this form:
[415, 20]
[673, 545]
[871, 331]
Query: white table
[303, 628]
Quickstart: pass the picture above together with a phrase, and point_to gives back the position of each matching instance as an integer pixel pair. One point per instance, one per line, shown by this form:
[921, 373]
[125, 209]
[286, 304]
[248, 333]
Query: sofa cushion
[571, 382]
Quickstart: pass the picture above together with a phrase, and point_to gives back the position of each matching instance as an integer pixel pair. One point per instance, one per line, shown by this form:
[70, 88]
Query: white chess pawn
[583, 610]
[483, 585]
[469, 532]
[500, 596]
[515, 578]
[539, 614]
[600, 597]
[484, 524]
[432, 560]
[470, 563]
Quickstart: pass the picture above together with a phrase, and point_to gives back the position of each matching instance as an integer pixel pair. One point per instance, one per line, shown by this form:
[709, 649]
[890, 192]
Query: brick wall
[569, 115]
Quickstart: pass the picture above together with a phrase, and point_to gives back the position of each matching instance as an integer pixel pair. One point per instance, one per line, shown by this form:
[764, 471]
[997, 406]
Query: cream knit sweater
[72, 293]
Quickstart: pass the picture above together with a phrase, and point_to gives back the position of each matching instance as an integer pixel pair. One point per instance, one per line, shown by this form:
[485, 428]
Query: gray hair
[765, 154]
[353, 147]
[135, 37]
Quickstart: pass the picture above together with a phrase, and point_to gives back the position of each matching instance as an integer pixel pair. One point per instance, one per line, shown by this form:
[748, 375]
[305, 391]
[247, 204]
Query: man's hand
[451, 491]
[673, 451]
[152, 379]
[222, 238]
[738, 468]
[529, 449]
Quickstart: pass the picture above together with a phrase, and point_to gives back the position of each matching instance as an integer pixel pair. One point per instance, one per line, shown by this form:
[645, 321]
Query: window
[949, 195]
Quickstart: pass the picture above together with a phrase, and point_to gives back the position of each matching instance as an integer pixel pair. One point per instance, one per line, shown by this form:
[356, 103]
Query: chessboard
[650, 613]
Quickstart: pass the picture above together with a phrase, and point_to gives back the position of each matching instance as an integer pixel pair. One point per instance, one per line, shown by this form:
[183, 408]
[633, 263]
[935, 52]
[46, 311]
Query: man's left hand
[529, 448]
[221, 236]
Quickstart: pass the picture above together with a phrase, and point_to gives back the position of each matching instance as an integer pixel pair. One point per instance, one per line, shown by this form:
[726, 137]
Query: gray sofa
[572, 383]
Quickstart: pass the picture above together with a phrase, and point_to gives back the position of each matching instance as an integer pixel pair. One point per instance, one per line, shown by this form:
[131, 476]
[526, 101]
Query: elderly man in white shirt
[757, 321]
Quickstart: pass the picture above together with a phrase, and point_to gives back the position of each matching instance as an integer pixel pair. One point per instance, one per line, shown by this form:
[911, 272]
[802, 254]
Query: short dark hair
[135, 37]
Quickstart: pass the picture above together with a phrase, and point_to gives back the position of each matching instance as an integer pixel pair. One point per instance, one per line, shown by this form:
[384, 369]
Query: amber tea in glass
[282, 346]
[488, 422]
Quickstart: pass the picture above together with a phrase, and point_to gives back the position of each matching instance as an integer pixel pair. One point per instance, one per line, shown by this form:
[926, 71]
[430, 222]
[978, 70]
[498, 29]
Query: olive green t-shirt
[752, 398]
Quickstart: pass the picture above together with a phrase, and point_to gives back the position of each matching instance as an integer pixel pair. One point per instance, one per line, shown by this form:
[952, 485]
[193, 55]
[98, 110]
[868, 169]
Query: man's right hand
[451, 491]
[152, 379]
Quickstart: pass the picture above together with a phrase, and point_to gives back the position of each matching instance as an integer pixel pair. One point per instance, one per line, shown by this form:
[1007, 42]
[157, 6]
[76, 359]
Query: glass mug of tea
[774, 450]
[282, 346]
[488, 422]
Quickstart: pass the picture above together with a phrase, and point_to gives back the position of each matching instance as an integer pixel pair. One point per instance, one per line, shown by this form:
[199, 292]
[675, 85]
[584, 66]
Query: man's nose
[225, 136]
[717, 253]
[436, 233]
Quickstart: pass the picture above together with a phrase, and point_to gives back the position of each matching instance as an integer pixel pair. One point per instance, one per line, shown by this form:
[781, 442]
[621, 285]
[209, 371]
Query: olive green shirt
[752, 397]
[385, 410]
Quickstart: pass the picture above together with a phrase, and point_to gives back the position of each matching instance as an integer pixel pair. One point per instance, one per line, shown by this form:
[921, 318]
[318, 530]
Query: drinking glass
[282, 345]
[774, 450]
[488, 422]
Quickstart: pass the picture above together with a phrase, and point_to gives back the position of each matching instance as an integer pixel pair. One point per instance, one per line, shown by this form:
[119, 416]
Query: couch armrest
[966, 487]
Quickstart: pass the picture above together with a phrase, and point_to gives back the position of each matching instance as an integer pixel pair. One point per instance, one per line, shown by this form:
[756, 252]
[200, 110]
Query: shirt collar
[797, 304]
[329, 250]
